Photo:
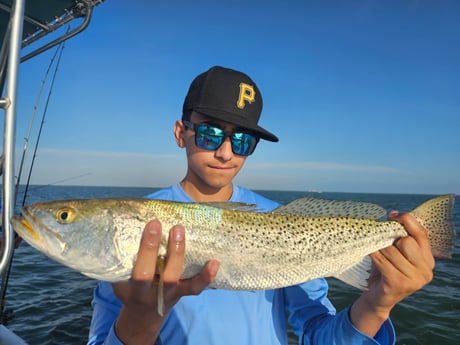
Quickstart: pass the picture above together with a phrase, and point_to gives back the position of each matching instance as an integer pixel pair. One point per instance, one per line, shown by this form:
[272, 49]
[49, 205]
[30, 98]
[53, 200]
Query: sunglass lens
[243, 144]
[209, 138]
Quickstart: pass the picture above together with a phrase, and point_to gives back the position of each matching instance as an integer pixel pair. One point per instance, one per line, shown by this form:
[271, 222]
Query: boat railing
[8, 103]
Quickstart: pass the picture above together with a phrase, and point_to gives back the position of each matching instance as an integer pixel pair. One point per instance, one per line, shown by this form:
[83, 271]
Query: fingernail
[179, 234]
[393, 214]
[152, 229]
[151, 236]
[214, 267]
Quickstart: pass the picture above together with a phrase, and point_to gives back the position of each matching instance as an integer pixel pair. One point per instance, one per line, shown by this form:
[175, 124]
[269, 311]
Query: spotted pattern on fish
[256, 250]
[313, 207]
[438, 213]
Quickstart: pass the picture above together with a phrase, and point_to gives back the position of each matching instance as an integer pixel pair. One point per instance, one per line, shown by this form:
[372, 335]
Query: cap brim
[264, 134]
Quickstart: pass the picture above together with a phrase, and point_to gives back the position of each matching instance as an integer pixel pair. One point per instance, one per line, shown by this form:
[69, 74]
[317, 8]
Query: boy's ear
[179, 131]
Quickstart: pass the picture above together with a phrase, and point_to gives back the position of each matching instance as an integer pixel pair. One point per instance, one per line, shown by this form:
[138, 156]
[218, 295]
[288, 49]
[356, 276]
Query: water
[52, 304]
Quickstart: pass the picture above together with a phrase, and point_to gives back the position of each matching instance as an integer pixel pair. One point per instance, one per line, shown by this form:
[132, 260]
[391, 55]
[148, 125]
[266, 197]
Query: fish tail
[436, 216]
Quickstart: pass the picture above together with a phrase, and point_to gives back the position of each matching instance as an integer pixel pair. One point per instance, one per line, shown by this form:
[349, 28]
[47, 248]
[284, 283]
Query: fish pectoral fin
[358, 274]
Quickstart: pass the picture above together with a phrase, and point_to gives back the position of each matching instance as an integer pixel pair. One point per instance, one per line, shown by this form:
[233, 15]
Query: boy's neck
[206, 193]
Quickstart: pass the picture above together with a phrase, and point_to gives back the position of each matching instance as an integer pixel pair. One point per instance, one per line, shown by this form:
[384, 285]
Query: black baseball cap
[227, 95]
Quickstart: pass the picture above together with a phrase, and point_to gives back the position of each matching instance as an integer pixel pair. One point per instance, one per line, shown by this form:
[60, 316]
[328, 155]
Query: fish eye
[65, 215]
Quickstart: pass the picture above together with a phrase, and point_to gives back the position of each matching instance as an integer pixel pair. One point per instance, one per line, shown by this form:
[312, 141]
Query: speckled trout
[303, 240]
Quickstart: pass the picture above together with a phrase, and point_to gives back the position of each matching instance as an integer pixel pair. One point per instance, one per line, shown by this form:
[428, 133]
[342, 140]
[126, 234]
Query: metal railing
[9, 105]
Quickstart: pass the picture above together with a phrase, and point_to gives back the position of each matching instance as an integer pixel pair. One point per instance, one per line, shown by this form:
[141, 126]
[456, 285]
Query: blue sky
[364, 95]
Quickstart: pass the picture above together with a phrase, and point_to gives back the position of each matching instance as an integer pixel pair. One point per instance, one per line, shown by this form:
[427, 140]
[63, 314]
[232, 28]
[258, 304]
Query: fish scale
[303, 240]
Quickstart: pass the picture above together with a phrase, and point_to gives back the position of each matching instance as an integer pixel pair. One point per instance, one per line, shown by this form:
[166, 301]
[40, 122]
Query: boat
[27, 29]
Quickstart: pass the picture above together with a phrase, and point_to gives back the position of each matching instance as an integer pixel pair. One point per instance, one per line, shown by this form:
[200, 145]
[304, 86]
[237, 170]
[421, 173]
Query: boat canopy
[43, 17]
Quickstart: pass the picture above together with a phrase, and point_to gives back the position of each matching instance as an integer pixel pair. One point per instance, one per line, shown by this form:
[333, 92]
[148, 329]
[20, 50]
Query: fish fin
[232, 206]
[358, 274]
[436, 216]
[315, 207]
[161, 299]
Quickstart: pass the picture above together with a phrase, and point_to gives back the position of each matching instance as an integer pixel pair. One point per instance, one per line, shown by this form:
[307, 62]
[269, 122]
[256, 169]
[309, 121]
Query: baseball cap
[228, 95]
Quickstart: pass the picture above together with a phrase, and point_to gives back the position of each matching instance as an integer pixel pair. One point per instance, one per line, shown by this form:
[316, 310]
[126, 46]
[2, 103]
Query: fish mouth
[27, 223]
[29, 229]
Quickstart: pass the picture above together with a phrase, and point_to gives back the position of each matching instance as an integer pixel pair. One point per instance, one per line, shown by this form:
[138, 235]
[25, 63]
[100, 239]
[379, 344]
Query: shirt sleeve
[315, 322]
[338, 329]
[105, 311]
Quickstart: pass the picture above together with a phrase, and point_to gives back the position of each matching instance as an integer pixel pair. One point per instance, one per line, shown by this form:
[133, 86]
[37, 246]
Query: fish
[305, 239]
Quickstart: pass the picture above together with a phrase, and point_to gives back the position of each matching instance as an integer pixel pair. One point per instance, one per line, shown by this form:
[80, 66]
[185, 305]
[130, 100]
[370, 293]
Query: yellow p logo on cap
[247, 94]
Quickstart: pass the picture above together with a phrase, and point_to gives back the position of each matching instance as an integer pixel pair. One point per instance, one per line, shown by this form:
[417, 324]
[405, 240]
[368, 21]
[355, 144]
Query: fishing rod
[42, 122]
[32, 118]
[6, 315]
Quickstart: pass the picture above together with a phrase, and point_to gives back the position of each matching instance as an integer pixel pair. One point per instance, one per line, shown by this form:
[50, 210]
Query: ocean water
[51, 304]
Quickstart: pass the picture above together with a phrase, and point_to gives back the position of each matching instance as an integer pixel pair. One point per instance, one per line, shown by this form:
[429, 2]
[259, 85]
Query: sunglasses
[211, 138]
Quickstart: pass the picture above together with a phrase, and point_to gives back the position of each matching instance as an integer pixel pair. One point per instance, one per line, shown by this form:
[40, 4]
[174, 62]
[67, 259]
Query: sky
[364, 95]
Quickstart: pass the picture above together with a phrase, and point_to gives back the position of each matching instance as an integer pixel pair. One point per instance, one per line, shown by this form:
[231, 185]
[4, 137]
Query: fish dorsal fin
[315, 207]
[358, 274]
[232, 206]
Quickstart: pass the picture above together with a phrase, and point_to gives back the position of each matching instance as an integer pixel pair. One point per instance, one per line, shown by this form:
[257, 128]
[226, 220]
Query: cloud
[106, 168]
[327, 166]
[326, 176]
[101, 154]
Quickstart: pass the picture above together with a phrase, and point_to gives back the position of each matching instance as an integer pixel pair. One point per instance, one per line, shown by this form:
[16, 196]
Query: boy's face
[208, 170]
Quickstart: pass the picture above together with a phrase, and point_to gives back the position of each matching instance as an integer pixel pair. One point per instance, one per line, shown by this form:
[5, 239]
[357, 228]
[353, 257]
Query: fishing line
[59, 181]
[61, 46]
[32, 118]
[5, 316]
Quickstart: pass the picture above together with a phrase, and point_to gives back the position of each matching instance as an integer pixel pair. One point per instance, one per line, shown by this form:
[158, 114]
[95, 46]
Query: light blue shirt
[242, 317]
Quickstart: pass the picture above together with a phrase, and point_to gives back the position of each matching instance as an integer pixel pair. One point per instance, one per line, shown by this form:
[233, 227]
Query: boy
[219, 130]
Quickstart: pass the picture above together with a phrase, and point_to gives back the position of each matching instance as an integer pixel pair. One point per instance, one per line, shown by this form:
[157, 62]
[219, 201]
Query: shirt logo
[247, 94]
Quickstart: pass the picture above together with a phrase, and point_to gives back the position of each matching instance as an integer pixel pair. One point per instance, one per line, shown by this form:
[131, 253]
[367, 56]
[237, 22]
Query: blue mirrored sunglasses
[211, 138]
